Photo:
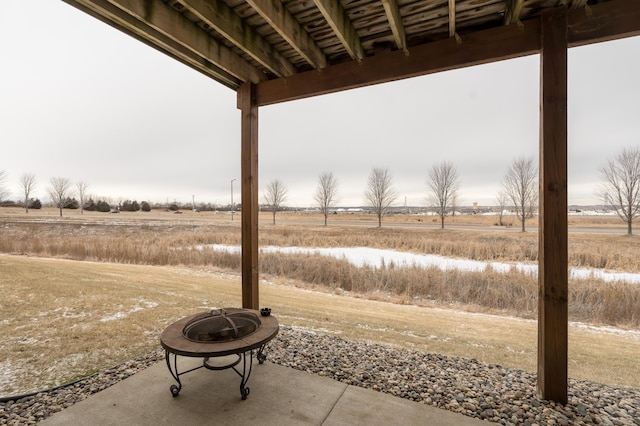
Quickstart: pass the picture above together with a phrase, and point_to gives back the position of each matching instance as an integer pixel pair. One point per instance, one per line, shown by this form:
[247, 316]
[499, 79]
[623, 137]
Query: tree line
[443, 183]
[63, 196]
[620, 191]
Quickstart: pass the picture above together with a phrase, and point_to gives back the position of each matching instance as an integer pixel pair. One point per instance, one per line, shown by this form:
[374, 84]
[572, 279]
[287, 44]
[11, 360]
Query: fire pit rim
[173, 339]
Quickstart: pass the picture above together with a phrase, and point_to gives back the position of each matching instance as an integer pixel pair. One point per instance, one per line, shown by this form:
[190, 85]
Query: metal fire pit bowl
[219, 333]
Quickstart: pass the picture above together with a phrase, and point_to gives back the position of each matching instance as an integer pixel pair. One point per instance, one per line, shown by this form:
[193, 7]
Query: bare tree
[59, 192]
[454, 204]
[444, 184]
[502, 200]
[326, 194]
[520, 187]
[621, 185]
[274, 197]
[380, 193]
[4, 192]
[82, 188]
[28, 184]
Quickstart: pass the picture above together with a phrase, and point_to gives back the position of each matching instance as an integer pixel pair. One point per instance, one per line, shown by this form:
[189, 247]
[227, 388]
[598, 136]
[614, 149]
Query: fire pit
[219, 333]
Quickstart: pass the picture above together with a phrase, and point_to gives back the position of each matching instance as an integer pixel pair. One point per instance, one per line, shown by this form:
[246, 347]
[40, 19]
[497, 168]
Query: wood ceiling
[297, 48]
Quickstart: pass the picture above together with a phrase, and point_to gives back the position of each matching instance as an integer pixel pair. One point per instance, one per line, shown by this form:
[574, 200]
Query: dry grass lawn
[64, 319]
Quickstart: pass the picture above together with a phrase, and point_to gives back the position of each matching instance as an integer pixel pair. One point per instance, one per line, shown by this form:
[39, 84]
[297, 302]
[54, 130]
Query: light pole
[232, 199]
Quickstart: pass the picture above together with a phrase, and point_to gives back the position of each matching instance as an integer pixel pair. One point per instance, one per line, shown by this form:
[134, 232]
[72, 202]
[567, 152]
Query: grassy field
[163, 238]
[63, 319]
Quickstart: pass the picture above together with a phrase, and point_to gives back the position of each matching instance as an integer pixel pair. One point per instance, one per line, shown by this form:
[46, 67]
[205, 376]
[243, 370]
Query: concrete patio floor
[279, 396]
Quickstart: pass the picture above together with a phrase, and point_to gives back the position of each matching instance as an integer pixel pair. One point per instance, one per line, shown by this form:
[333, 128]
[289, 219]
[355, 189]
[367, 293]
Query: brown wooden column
[553, 234]
[249, 180]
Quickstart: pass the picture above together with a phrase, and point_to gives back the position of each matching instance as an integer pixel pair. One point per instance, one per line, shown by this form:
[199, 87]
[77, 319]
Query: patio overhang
[273, 51]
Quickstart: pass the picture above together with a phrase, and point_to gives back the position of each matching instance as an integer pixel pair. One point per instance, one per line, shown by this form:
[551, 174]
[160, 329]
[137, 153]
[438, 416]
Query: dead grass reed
[515, 293]
[176, 244]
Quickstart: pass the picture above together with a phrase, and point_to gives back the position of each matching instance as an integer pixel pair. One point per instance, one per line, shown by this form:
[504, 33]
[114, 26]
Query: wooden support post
[249, 180]
[553, 233]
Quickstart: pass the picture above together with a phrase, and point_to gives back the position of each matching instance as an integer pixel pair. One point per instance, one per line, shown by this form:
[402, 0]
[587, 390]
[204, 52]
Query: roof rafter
[185, 36]
[452, 18]
[225, 21]
[338, 20]
[281, 20]
[392, 11]
[512, 12]
[122, 21]
[604, 21]
[504, 42]
[164, 19]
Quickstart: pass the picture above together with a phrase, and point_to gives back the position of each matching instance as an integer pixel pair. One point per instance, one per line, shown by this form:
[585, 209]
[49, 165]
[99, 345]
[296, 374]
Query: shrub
[71, 203]
[90, 205]
[130, 206]
[103, 206]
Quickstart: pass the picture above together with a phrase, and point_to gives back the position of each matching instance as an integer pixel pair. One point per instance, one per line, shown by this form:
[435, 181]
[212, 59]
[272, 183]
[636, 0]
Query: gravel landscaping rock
[485, 391]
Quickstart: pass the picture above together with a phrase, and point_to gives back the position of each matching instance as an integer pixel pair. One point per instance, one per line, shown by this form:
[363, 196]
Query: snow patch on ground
[377, 258]
[314, 330]
[143, 304]
[603, 329]
[8, 374]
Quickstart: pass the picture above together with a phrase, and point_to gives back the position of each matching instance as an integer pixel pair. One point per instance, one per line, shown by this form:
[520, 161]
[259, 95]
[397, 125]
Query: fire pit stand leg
[173, 369]
[244, 375]
[175, 390]
[261, 355]
[244, 391]
[247, 366]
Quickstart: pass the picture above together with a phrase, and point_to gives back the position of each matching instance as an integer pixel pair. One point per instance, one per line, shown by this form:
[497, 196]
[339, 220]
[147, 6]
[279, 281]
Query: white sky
[80, 100]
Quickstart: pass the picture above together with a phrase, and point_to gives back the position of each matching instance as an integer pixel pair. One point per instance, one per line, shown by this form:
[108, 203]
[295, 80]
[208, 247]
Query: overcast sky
[82, 101]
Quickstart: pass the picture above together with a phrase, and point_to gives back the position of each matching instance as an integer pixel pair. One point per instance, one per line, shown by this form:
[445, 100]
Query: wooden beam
[120, 20]
[164, 19]
[603, 22]
[341, 25]
[278, 16]
[553, 269]
[606, 21]
[194, 47]
[225, 21]
[452, 18]
[512, 12]
[503, 42]
[392, 10]
[249, 178]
